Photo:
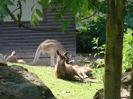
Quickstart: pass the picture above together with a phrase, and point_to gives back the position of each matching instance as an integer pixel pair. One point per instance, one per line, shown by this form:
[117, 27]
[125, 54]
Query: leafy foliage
[96, 28]
[4, 3]
[82, 7]
[35, 11]
[99, 49]
[39, 13]
[99, 72]
[128, 21]
[86, 34]
[65, 25]
[128, 49]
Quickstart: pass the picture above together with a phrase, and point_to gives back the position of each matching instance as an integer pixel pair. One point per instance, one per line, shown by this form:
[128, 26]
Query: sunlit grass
[64, 89]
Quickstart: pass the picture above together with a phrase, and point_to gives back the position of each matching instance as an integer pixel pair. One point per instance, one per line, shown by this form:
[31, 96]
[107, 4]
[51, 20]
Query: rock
[17, 83]
[125, 94]
[2, 60]
[126, 78]
[125, 87]
[98, 94]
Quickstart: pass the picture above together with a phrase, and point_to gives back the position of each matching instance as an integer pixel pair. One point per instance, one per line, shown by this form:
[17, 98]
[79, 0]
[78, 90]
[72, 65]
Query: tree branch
[89, 16]
[11, 15]
[19, 23]
[128, 2]
[20, 14]
[15, 10]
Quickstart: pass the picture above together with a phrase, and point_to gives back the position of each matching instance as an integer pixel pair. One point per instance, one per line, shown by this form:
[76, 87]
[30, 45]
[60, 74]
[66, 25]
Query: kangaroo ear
[58, 53]
[70, 56]
[65, 54]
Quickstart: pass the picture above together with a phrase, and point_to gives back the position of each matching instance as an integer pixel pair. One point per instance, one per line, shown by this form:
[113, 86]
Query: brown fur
[13, 58]
[49, 46]
[83, 71]
[66, 71]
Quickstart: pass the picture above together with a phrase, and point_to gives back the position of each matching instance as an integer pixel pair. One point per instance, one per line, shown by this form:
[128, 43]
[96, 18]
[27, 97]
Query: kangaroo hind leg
[52, 61]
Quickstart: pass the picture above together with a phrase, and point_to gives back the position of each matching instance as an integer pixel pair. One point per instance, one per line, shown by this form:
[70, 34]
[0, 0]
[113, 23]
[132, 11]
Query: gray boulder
[17, 83]
[125, 87]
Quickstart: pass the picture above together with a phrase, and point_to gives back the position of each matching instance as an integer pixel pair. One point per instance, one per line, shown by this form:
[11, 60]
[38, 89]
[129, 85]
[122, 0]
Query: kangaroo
[13, 58]
[68, 71]
[48, 46]
[83, 71]
[63, 71]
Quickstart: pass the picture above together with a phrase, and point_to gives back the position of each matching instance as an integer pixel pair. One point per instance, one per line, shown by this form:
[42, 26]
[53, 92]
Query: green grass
[65, 89]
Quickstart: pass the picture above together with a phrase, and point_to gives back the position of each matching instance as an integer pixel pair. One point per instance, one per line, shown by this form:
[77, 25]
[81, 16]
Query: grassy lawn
[66, 89]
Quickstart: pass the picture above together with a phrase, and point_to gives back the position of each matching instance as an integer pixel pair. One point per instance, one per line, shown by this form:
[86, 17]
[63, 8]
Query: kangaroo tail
[37, 55]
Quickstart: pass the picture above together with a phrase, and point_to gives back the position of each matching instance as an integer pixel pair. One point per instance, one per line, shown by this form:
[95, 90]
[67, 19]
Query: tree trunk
[114, 44]
[131, 90]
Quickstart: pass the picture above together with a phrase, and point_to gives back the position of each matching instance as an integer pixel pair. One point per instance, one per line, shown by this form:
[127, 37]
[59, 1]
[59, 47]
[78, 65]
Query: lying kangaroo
[49, 46]
[13, 58]
[66, 71]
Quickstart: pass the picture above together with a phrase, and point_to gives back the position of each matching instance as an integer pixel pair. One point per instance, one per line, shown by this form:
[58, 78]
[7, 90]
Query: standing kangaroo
[49, 46]
[67, 71]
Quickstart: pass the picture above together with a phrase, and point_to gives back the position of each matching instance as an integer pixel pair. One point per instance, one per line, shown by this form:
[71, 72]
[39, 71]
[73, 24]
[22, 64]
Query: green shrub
[128, 49]
[99, 49]
[96, 28]
[128, 20]
[87, 33]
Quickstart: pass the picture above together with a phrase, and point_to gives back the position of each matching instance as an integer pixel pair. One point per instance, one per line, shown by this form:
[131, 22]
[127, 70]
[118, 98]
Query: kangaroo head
[60, 57]
[12, 57]
[63, 57]
[13, 53]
